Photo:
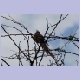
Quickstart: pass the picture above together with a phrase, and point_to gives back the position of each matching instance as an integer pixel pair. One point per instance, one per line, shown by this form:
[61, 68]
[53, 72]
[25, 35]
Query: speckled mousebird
[38, 38]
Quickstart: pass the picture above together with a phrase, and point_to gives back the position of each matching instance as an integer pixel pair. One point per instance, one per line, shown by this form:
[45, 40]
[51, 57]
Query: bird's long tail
[44, 46]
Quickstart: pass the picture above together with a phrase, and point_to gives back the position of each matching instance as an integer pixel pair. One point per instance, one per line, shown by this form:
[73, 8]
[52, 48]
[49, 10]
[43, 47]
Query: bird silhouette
[38, 38]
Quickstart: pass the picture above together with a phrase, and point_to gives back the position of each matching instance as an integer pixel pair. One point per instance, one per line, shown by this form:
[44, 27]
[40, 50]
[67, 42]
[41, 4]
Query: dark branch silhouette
[31, 55]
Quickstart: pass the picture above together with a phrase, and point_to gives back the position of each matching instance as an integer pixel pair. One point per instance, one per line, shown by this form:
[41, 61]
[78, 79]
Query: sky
[38, 22]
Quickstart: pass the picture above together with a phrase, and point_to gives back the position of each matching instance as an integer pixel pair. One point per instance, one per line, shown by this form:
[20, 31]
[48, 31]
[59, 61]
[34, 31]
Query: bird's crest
[37, 31]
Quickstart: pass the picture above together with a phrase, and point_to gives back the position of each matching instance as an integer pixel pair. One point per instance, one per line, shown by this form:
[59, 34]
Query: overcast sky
[39, 22]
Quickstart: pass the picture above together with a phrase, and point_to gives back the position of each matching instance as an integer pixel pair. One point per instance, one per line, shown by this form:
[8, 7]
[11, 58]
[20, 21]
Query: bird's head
[37, 31]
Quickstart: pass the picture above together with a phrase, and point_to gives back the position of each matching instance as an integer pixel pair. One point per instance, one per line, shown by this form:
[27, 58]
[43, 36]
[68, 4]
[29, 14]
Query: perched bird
[38, 38]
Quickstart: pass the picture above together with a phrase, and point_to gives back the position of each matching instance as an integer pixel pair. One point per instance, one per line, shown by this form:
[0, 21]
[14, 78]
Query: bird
[39, 38]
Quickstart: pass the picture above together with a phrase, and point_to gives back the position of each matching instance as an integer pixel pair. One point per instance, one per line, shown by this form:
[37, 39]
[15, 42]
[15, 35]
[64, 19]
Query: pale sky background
[33, 22]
